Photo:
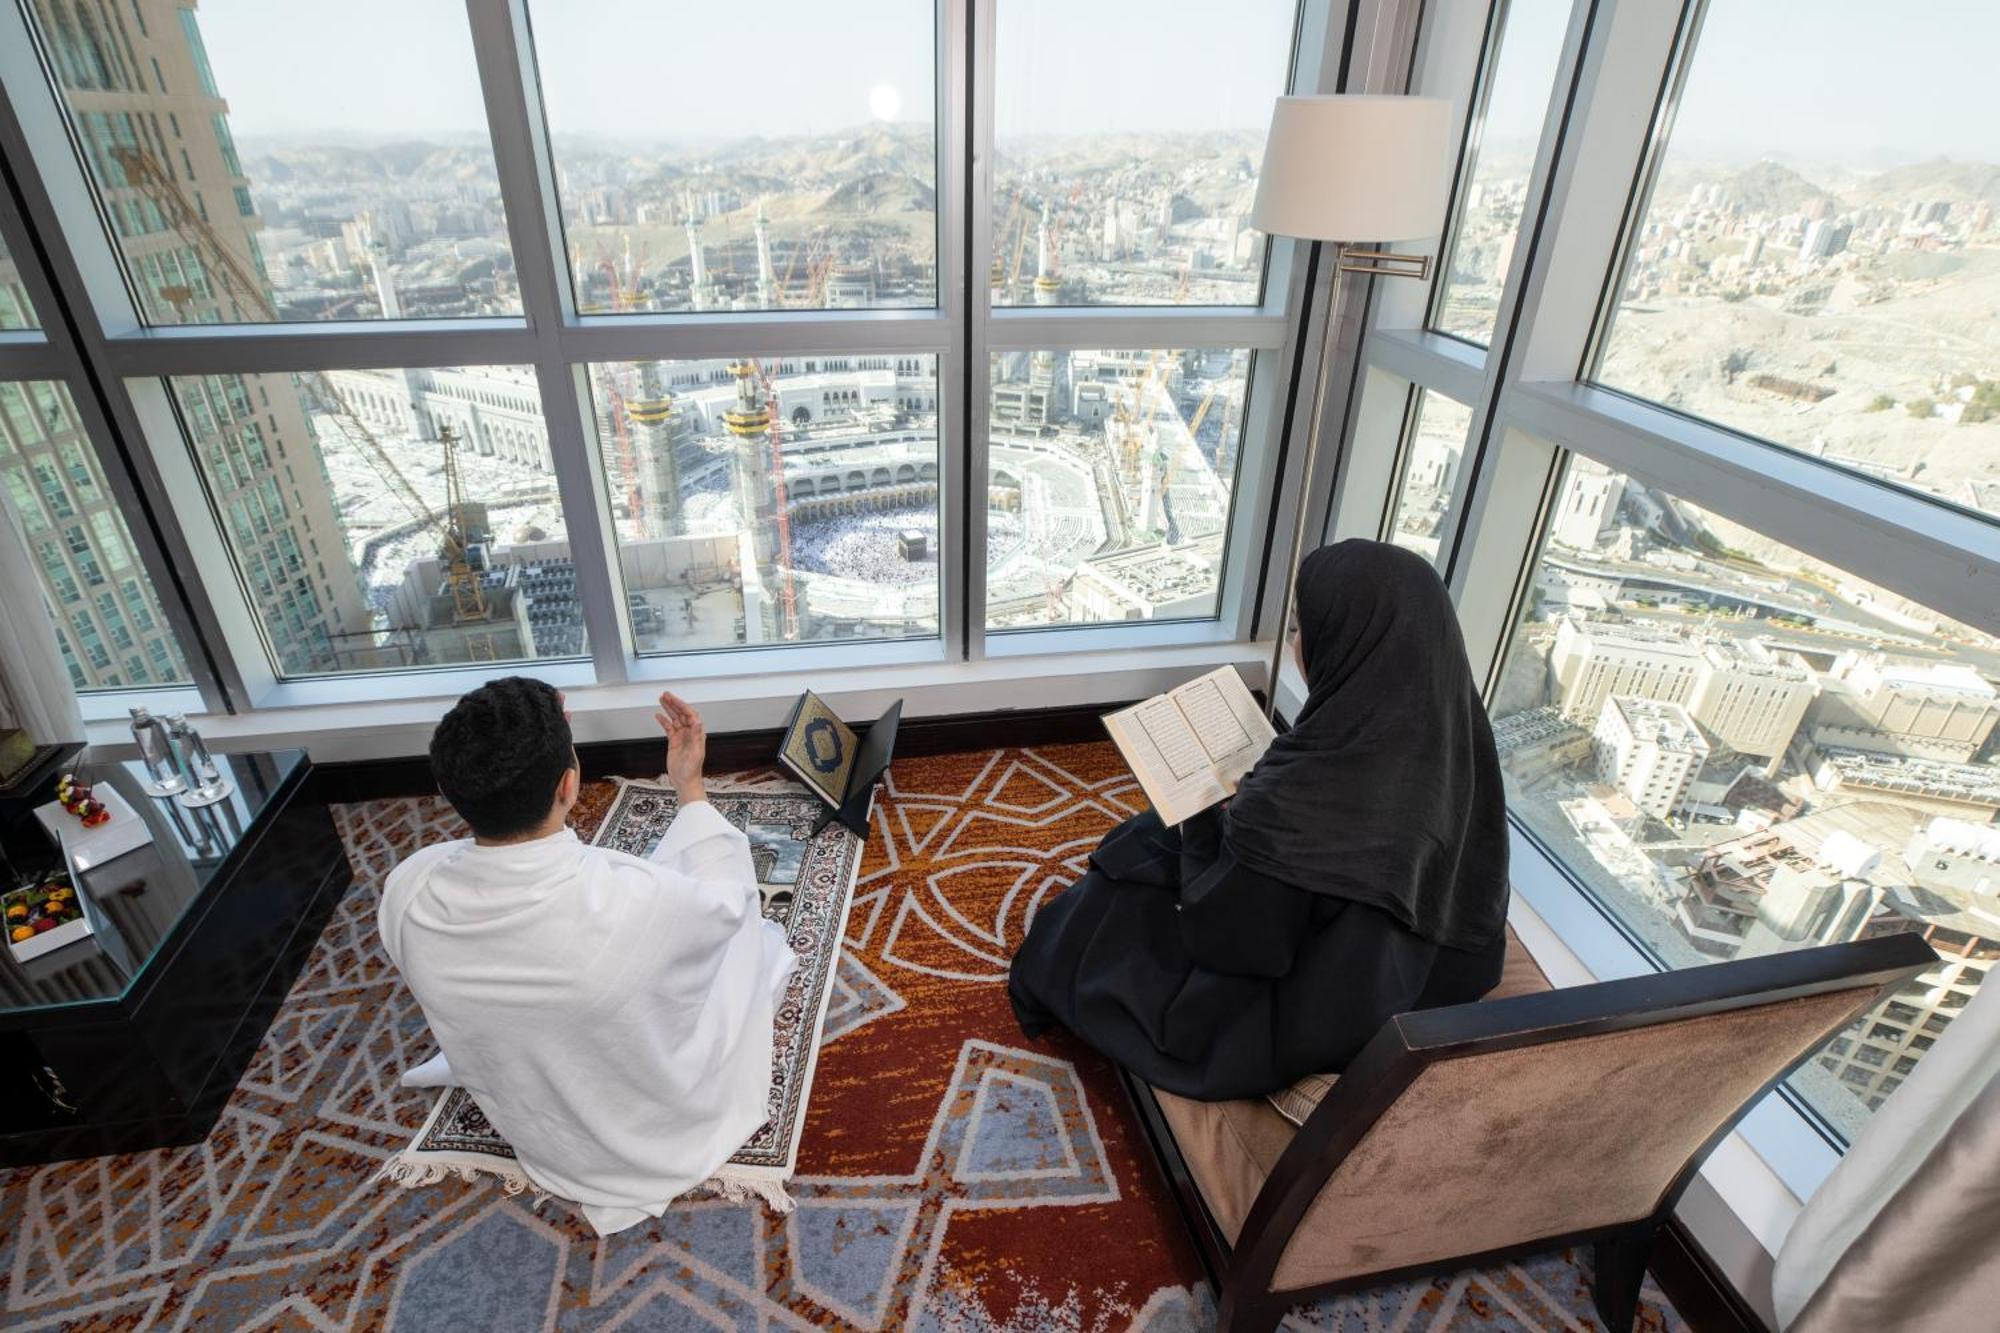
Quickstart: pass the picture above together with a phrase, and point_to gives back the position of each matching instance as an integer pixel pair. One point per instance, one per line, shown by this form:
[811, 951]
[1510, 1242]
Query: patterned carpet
[955, 1176]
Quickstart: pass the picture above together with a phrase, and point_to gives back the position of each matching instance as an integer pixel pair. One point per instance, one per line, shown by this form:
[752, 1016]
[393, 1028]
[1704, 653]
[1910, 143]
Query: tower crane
[622, 298]
[247, 294]
[1194, 423]
[1004, 275]
[813, 247]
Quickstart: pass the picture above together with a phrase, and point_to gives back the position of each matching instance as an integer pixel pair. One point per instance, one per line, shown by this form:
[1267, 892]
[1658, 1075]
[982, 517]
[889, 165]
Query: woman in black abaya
[1359, 871]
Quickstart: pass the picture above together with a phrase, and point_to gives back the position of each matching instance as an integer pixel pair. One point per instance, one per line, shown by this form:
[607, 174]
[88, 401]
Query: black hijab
[1386, 791]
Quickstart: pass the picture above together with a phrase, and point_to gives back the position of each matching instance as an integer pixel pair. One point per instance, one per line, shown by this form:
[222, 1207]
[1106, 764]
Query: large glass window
[289, 161]
[1494, 189]
[382, 519]
[329, 181]
[1742, 750]
[1818, 262]
[1109, 477]
[766, 502]
[1430, 473]
[107, 616]
[697, 174]
[1126, 148]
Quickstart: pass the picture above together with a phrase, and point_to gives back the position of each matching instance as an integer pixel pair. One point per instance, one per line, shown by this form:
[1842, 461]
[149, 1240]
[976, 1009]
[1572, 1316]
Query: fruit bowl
[42, 917]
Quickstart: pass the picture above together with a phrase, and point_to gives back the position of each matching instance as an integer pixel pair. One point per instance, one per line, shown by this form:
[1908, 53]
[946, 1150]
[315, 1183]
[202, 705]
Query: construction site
[754, 502]
[1110, 470]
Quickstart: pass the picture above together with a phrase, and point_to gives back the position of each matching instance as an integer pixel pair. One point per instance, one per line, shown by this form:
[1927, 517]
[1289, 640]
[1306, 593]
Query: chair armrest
[1410, 1043]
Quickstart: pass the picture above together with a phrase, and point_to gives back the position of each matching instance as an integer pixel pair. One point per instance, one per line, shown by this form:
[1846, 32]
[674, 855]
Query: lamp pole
[1373, 263]
[1335, 168]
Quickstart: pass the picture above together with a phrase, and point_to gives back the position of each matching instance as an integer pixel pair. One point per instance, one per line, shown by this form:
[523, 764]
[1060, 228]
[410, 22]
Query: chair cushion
[1230, 1147]
[1519, 975]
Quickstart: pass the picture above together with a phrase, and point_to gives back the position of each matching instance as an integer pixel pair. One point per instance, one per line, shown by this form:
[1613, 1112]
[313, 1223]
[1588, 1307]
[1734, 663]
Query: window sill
[730, 697]
[103, 708]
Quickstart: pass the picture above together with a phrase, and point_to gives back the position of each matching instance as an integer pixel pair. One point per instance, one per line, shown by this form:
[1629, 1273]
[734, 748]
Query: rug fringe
[743, 1188]
[411, 1172]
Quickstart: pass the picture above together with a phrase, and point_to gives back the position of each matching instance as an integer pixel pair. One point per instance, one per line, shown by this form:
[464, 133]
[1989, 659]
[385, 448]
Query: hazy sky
[1856, 80]
[1070, 66]
[667, 69]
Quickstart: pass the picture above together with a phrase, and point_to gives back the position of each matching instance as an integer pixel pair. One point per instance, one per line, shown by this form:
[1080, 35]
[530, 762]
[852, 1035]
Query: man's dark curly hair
[500, 753]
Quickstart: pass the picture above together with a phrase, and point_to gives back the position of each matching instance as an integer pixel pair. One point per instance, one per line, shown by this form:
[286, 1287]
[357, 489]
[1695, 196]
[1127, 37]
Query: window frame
[125, 364]
[1620, 73]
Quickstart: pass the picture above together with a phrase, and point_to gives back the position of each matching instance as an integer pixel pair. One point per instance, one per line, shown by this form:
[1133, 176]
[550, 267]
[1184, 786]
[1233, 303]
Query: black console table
[135, 1036]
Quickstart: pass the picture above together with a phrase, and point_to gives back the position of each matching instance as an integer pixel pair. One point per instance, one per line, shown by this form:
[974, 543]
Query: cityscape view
[1135, 188]
[1744, 750]
[1801, 276]
[1488, 213]
[406, 518]
[1430, 473]
[1740, 748]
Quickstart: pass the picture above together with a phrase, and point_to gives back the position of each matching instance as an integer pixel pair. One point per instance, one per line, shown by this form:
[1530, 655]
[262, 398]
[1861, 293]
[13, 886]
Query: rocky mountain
[1939, 178]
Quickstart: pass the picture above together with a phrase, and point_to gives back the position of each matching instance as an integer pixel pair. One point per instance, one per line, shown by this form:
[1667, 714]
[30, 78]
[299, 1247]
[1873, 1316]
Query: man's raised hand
[687, 746]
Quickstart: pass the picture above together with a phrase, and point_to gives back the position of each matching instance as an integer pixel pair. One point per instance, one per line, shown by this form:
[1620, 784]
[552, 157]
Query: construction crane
[812, 248]
[622, 298]
[1017, 223]
[145, 174]
[468, 592]
[1056, 225]
[1200, 413]
[787, 593]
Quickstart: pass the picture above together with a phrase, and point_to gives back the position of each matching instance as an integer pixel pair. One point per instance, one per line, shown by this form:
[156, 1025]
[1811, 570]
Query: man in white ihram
[610, 1014]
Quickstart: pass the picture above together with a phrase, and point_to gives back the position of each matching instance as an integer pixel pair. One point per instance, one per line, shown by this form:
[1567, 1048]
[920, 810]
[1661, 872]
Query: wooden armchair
[1472, 1134]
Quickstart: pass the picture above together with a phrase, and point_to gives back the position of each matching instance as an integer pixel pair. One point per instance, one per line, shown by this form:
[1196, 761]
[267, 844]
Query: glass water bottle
[156, 752]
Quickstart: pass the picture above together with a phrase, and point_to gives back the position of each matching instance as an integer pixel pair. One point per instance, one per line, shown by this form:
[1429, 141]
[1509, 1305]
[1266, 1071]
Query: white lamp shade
[1355, 168]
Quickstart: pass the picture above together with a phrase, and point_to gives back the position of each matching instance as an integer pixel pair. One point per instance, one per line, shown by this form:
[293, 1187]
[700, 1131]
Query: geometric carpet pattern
[954, 1175]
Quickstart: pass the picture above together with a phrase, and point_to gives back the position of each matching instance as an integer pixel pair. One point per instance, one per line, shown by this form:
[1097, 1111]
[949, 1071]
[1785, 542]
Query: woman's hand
[687, 747]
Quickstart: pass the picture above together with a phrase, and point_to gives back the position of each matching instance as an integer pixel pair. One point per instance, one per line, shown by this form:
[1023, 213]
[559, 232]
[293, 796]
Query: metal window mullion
[253, 349]
[960, 638]
[1946, 558]
[29, 356]
[1614, 57]
[81, 291]
[673, 337]
[505, 59]
[981, 61]
[1017, 329]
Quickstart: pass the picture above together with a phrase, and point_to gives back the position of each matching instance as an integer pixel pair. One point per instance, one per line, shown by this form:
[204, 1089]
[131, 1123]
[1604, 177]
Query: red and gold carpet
[954, 1175]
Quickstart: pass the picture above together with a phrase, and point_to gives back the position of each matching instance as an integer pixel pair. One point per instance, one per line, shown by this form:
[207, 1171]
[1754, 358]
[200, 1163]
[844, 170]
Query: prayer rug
[954, 1176]
[806, 884]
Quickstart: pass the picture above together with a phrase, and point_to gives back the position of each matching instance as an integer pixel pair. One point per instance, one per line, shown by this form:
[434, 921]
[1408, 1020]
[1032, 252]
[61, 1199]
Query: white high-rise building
[1649, 750]
[1588, 505]
[1750, 697]
[1930, 710]
[1595, 659]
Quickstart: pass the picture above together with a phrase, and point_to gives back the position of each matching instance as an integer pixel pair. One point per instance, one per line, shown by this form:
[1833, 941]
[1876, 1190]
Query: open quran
[1190, 746]
[835, 763]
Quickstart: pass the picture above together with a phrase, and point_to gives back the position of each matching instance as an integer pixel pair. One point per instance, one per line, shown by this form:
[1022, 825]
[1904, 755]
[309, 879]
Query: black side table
[135, 1036]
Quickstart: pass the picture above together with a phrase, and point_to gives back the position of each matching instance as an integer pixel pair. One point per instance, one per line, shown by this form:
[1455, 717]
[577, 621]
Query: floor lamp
[1347, 170]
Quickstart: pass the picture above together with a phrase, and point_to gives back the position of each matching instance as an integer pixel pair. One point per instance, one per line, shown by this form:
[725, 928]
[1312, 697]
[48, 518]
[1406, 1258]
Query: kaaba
[912, 544]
